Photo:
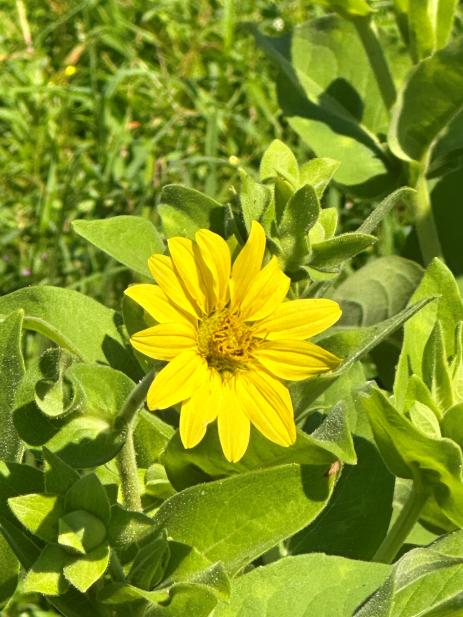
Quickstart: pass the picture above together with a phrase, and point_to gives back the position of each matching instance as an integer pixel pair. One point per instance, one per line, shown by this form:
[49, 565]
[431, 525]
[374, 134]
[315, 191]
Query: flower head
[229, 339]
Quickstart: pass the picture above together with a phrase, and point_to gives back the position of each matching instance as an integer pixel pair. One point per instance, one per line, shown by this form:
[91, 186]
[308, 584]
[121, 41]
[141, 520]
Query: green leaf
[255, 199]
[253, 515]
[88, 494]
[11, 372]
[436, 373]
[183, 211]
[351, 344]
[409, 453]
[329, 442]
[127, 527]
[82, 572]
[46, 576]
[88, 438]
[78, 323]
[299, 216]
[9, 570]
[452, 424]
[186, 600]
[379, 290]
[347, 8]
[38, 513]
[279, 160]
[425, 582]
[424, 419]
[318, 173]
[421, 28]
[151, 437]
[448, 309]
[357, 519]
[150, 563]
[318, 585]
[131, 240]
[401, 196]
[336, 111]
[333, 252]
[81, 531]
[121, 593]
[59, 476]
[431, 97]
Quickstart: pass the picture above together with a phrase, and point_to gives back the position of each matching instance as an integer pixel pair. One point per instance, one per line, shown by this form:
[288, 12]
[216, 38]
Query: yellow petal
[165, 341]
[266, 292]
[177, 381]
[294, 360]
[188, 268]
[267, 403]
[234, 426]
[201, 409]
[216, 256]
[162, 269]
[155, 302]
[247, 264]
[299, 319]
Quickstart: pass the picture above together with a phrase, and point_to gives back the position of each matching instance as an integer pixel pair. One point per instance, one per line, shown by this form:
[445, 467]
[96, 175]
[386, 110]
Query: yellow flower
[229, 339]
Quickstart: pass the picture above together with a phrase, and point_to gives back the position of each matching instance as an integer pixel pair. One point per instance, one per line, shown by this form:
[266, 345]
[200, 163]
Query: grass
[104, 102]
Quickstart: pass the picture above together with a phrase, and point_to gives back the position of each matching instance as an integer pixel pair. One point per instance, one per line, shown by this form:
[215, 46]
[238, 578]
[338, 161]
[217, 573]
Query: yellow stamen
[225, 341]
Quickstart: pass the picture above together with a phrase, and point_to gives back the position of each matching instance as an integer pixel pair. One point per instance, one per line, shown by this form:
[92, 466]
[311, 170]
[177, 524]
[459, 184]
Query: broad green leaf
[436, 373]
[46, 575]
[255, 200]
[9, 570]
[429, 100]
[88, 494]
[335, 110]
[17, 479]
[131, 240]
[183, 211]
[377, 291]
[279, 160]
[38, 513]
[409, 453]
[318, 585]
[75, 604]
[253, 515]
[329, 442]
[78, 323]
[20, 542]
[333, 252]
[424, 419]
[121, 593]
[425, 582]
[359, 512]
[83, 571]
[11, 372]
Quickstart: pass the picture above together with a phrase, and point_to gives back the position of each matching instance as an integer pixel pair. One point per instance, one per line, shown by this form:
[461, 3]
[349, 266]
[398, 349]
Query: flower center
[225, 341]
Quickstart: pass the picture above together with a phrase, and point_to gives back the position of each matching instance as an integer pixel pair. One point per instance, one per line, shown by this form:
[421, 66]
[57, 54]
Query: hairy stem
[126, 459]
[403, 525]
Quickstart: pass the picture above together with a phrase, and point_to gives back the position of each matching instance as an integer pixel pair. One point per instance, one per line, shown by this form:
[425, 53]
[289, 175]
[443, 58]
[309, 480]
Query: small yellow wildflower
[229, 339]
[70, 70]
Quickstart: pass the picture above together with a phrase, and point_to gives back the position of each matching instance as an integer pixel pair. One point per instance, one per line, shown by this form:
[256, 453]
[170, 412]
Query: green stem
[425, 225]
[126, 459]
[128, 472]
[367, 33]
[402, 526]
